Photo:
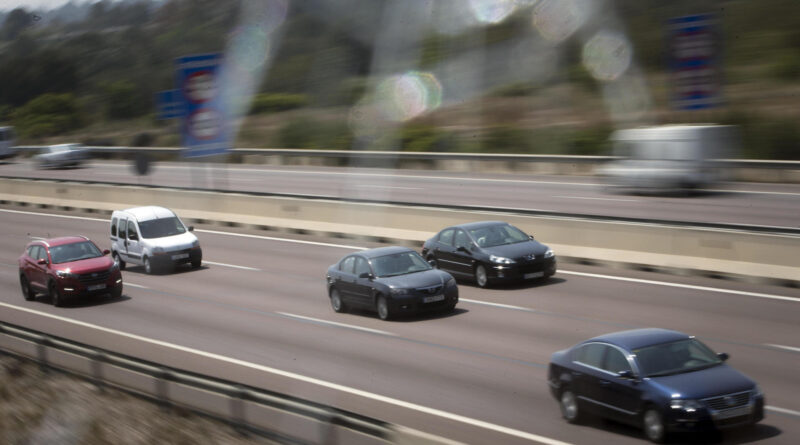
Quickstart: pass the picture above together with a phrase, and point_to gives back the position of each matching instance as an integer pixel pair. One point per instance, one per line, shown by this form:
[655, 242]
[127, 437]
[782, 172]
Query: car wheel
[654, 425]
[27, 292]
[481, 277]
[569, 406]
[148, 268]
[336, 301]
[384, 311]
[197, 263]
[116, 294]
[55, 295]
[118, 260]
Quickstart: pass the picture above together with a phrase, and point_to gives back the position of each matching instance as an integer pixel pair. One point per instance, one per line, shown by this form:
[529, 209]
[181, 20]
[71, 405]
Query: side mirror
[530, 237]
[133, 237]
[626, 374]
[366, 275]
[723, 356]
[41, 261]
[191, 228]
[106, 252]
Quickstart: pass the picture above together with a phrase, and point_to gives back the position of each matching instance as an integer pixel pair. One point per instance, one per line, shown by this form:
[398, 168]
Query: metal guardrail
[418, 156]
[238, 394]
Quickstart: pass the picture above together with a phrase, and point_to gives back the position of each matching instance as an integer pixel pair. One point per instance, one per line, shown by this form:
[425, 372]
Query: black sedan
[657, 379]
[489, 251]
[391, 281]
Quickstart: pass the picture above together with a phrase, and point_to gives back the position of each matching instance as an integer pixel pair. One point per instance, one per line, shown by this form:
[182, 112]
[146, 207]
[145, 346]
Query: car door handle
[604, 383]
[577, 374]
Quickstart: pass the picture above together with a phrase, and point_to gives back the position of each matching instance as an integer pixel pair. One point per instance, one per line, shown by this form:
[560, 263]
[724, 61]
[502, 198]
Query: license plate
[533, 275]
[180, 256]
[433, 298]
[96, 287]
[736, 412]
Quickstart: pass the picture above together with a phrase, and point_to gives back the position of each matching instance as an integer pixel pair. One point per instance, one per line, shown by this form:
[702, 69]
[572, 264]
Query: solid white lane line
[125, 283]
[788, 348]
[231, 265]
[270, 238]
[783, 410]
[684, 286]
[499, 305]
[598, 199]
[375, 186]
[325, 384]
[85, 218]
[333, 323]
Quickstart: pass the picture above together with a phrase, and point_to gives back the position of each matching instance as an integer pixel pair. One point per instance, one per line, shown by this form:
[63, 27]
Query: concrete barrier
[678, 248]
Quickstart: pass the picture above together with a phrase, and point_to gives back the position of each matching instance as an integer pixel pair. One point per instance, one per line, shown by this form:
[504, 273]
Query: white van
[153, 237]
[8, 143]
[670, 157]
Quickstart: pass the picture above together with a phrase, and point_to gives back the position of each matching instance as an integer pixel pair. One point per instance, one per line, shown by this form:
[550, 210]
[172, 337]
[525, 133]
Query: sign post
[694, 62]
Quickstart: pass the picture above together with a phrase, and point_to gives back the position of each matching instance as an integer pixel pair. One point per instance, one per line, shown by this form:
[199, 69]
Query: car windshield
[399, 264]
[675, 358]
[498, 235]
[159, 228]
[74, 252]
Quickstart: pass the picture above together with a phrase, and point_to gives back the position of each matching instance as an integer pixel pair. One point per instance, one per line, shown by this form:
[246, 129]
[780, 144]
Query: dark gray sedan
[391, 281]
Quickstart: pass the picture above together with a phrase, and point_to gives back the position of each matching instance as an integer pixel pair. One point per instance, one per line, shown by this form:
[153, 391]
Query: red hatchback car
[66, 268]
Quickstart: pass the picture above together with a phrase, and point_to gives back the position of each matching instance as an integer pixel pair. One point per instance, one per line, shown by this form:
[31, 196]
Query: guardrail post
[238, 396]
[163, 377]
[41, 352]
[98, 358]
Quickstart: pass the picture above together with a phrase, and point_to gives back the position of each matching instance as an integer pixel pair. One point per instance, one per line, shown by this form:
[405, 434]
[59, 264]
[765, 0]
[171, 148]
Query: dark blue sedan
[391, 281]
[664, 381]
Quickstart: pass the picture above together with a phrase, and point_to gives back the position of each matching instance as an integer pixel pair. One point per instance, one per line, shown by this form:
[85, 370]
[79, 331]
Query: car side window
[362, 266]
[462, 239]
[32, 251]
[591, 355]
[114, 227]
[131, 230]
[616, 361]
[41, 253]
[123, 228]
[446, 237]
[346, 265]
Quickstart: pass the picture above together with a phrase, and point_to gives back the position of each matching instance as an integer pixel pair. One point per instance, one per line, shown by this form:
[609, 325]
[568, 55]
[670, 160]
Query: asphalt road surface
[734, 203]
[477, 375]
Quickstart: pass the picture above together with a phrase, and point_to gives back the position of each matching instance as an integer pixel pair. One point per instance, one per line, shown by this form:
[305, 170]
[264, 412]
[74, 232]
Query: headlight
[549, 254]
[195, 243]
[114, 267]
[451, 282]
[500, 260]
[400, 292]
[687, 405]
[158, 250]
[64, 274]
[757, 392]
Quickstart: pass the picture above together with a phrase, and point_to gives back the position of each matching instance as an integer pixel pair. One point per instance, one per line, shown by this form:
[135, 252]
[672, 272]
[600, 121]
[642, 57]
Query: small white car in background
[153, 237]
[8, 147]
[62, 155]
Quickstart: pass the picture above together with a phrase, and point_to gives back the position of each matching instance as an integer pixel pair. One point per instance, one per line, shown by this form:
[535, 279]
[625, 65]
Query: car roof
[638, 338]
[147, 213]
[381, 251]
[479, 224]
[60, 241]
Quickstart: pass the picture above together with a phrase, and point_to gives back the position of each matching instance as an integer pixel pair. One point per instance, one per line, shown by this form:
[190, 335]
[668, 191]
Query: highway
[775, 205]
[257, 312]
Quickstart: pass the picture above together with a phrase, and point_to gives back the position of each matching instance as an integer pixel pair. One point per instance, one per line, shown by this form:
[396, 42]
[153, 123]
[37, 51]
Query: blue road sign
[204, 128]
[168, 105]
[694, 62]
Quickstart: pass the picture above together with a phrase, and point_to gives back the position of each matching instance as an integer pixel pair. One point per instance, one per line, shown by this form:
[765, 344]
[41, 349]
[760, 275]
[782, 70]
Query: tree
[16, 22]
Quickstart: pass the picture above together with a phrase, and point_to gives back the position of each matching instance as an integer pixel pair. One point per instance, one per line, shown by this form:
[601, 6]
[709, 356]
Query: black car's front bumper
[704, 419]
[531, 270]
[415, 303]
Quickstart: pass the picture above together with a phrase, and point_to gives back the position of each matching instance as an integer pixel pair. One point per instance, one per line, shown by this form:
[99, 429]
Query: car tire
[27, 292]
[197, 263]
[116, 294]
[336, 301]
[148, 266]
[55, 295]
[570, 409]
[383, 308]
[653, 425]
[481, 276]
[118, 260]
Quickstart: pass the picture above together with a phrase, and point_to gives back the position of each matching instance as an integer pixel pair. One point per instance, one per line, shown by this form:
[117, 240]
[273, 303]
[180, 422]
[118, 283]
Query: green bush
[507, 139]
[786, 68]
[309, 133]
[766, 137]
[272, 103]
[47, 115]
[124, 101]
